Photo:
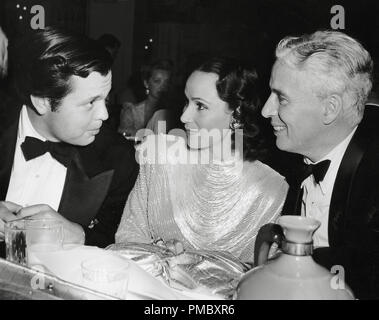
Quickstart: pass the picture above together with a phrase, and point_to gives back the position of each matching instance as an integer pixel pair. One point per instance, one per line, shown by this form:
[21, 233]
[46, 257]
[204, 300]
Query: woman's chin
[196, 145]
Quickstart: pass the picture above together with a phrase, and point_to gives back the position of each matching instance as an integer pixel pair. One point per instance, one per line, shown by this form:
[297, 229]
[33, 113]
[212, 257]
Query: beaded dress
[217, 207]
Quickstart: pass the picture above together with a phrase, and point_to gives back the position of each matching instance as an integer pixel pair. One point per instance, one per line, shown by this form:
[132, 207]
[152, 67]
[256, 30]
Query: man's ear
[42, 105]
[332, 108]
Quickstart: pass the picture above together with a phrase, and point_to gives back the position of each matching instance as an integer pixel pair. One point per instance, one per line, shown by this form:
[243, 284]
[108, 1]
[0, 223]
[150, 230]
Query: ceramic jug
[291, 274]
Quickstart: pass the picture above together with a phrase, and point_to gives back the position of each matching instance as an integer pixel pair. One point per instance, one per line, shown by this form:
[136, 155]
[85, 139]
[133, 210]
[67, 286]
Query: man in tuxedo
[56, 158]
[319, 84]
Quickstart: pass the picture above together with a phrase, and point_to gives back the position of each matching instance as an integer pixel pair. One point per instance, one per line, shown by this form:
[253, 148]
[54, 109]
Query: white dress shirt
[37, 181]
[317, 196]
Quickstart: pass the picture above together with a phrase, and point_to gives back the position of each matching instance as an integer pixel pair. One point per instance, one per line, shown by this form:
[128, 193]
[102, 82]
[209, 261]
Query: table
[16, 284]
[66, 265]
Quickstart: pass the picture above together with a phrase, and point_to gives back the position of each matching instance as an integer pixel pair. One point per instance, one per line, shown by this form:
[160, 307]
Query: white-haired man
[319, 86]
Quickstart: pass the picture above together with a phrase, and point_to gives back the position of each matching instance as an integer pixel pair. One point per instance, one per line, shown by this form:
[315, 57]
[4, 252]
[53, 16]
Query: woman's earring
[147, 91]
[234, 124]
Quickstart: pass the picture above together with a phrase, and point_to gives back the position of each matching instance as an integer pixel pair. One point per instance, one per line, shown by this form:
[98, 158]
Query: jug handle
[267, 235]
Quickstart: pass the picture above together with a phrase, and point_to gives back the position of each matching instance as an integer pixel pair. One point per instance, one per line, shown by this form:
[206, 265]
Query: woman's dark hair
[238, 86]
[44, 60]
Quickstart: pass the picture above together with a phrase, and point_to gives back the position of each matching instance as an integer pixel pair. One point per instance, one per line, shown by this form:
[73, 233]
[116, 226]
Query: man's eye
[91, 104]
[282, 100]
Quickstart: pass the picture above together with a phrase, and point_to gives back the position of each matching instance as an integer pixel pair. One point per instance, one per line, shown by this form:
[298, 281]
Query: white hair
[340, 65]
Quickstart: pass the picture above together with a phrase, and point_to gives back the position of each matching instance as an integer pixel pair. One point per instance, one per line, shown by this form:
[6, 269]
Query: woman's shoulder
[267, 175]
[155, 122]
[160, 114]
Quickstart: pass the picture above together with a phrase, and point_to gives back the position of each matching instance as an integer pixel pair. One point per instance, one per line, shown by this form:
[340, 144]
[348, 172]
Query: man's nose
[270, 108]
[102, 111]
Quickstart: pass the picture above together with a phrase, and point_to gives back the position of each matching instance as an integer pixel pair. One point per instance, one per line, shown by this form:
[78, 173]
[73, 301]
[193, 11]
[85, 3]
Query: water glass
[26, 238]
[15, 241]
[43, 237]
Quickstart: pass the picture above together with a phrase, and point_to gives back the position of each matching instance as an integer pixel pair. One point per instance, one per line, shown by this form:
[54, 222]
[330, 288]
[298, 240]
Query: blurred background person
[156, 80]
[3, 54]
[110, 43]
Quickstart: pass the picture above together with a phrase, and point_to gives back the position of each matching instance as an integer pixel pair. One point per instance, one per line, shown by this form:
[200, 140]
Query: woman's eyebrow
[201, 99]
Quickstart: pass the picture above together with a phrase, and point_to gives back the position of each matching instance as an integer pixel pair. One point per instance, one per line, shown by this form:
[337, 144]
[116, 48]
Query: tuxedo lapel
[294, 181]
[7, 150]
[340, 199]
[83, 194]
[291, 204]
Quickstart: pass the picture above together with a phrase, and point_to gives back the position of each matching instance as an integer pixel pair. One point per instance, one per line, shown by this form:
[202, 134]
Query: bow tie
[33, 148]
[318, 170]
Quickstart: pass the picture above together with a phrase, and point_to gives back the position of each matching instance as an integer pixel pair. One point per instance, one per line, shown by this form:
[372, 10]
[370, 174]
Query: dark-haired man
[56, 158]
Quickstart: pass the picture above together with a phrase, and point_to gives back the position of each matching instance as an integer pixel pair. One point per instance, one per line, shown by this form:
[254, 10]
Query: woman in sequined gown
[207, 190]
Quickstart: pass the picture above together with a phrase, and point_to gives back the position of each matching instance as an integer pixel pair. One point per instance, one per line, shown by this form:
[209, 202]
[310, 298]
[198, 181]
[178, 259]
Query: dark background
[187, 31]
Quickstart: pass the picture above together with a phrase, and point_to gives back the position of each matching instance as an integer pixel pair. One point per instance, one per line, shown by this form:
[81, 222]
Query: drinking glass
[26, 238]
[43, 237]
[15, 241]
[106, 274]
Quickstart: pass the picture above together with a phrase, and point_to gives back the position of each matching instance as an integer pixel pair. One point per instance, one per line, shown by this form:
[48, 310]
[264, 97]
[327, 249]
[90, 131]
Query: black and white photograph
[199, 152]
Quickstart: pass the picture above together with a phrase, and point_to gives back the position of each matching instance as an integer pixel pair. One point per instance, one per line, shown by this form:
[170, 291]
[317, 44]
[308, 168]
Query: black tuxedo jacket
[353, 227]
[97, 183]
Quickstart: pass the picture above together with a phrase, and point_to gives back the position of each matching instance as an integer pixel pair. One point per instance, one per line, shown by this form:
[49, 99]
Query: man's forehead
[283, 71]
[287, 79]
[94, 83]
[94, 80]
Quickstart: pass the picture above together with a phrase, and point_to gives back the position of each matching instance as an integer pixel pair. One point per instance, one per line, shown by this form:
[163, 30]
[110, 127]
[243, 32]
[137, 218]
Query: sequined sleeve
[134, 222]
